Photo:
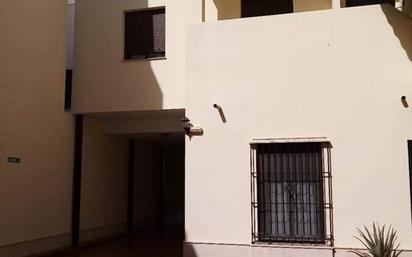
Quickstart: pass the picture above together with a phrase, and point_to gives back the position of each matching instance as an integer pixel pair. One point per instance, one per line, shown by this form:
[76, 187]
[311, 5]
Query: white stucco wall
[338, 74]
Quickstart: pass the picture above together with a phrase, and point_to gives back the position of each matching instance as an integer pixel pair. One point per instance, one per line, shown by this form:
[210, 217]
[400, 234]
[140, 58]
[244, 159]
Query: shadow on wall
[402, 27]
[144, 86]
[143, 82]
[102, 73]
[227, 9]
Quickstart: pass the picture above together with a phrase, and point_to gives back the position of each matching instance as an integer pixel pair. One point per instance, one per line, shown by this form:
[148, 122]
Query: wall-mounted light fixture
[404, 102]
[191, 130]
[186, 125]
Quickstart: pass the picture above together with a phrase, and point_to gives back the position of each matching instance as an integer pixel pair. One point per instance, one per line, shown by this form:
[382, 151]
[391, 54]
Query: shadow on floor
[137, 245]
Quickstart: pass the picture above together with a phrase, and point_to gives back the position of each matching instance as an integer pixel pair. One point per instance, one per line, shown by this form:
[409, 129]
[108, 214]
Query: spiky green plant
[379, 243]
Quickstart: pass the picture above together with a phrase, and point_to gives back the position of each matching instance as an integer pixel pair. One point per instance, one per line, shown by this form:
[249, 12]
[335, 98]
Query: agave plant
[379, 243]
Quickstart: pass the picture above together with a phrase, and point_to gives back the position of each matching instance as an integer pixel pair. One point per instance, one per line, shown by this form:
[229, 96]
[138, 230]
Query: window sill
[144, 59]
[292, 245]
[268, 245]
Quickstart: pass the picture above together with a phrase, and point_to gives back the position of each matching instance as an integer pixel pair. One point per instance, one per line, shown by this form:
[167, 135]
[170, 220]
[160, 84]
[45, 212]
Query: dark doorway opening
[156, 195]
[253, 8]
[154, 219]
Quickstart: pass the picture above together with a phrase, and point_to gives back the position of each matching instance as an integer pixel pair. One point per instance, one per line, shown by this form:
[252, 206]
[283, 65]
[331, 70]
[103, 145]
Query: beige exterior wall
[104, 82]
[35, 195]
[104, 182]
[70, 35]
[338, 74]
[311, 5]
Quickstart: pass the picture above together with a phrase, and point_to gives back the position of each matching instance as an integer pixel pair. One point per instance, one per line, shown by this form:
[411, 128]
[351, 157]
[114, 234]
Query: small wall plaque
[13, 159]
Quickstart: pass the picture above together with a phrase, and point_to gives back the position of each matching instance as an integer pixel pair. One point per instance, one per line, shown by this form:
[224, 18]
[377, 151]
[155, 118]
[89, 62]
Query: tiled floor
[135, 246]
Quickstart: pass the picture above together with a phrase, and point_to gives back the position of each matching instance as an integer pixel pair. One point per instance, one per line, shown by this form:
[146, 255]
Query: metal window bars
[291, 186]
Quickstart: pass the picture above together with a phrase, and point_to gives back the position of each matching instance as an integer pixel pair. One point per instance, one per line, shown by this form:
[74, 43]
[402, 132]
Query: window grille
[291, 193]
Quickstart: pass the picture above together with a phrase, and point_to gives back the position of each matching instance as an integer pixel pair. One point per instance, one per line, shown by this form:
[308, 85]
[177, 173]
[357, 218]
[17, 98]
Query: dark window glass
[290, 193]
[68, 90]
[145, 34]
[351, 3]
[251, 8]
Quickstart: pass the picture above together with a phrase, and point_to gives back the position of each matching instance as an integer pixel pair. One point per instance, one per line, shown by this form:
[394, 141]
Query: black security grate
[291, 193]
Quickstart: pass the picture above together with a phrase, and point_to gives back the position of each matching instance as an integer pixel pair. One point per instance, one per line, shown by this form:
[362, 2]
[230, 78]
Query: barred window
[145, 34]
[291, 193]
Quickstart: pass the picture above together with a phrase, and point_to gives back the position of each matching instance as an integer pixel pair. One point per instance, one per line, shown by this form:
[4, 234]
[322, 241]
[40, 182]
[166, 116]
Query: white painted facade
[338, 74]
